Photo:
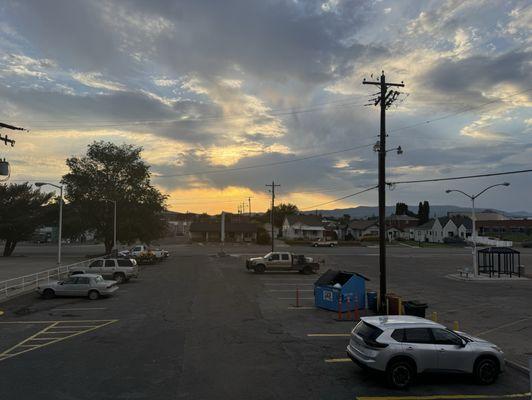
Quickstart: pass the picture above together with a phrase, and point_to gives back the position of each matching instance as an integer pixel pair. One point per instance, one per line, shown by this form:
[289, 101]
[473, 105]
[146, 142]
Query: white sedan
[84, 285]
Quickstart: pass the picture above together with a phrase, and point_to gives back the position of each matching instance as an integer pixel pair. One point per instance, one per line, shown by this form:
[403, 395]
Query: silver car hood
[473, 338]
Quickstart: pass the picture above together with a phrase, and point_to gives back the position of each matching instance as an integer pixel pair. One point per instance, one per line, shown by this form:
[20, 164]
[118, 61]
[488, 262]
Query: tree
[401, 209]
[280, 212]
[423, 212]
[117, 173]
[21, 212]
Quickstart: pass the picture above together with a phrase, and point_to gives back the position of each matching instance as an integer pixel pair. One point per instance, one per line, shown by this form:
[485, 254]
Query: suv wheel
[119, 278]
[48, 294]
[486, 371]
[400, 374]
[259, 269]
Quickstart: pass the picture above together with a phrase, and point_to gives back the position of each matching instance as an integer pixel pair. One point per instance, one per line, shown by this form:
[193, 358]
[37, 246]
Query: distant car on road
[145, 252]
[403, 346]
[85, 285]
[282, 261]
[119, 269]
[325, 243]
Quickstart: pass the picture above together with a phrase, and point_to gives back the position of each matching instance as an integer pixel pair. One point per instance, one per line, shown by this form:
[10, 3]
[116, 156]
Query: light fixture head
[39, 184]
[506, 183]
[448, 191]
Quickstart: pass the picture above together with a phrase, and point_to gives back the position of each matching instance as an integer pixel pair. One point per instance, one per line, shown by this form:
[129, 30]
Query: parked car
[403, 346]
[325, 243]
[527, 244]
[119, 269]
[84, 285]
[281, 261]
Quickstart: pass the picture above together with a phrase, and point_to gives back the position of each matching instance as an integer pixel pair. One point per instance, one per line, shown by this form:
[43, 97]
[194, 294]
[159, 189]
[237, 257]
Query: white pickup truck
[143, 250]
[325, 243]
[281, 261]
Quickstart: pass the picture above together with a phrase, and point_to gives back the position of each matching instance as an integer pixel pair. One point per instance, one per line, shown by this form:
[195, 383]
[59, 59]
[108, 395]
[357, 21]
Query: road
[197, 326]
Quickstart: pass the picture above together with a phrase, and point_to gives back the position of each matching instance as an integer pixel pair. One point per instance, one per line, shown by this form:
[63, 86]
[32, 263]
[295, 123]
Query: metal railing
[23, 284]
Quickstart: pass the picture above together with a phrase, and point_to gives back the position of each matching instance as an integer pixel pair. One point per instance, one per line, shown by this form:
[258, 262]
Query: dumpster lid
[331, 277]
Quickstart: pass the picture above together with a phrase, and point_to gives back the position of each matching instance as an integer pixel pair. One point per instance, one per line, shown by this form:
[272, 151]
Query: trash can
[372, 301]
[415, 308]
[394, 302]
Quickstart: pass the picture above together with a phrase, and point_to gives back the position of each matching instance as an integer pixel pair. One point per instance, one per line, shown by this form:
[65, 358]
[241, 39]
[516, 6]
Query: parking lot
[200, 326]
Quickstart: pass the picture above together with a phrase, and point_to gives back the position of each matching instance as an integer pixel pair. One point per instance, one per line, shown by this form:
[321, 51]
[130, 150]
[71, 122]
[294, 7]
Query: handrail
[23, 284]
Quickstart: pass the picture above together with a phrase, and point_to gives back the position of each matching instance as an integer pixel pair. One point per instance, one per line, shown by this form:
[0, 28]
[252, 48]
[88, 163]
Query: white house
[308, 227]
[437, 229]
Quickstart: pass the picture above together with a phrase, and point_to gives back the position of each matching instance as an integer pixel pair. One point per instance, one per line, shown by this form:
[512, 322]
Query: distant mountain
[362, 212]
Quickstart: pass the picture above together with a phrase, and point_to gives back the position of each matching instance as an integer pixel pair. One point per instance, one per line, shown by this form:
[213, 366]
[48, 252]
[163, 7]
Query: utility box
[340, 291]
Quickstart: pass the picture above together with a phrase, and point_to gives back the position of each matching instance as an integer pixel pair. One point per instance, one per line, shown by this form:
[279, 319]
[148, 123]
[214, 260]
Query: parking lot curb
[518, 367]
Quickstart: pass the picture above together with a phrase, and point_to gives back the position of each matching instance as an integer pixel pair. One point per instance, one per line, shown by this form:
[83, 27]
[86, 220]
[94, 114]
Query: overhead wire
[340, 198]
[522, 171]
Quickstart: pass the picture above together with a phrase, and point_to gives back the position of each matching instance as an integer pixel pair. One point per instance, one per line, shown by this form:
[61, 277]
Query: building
[501, 227]
[178, 223]
[360, 228]
[306, 227]
[210, 231]
[401, 222]
[437, 229]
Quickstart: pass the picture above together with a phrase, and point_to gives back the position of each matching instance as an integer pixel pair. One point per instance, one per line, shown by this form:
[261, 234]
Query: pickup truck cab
[282, 261]
[118, 269]
[325, 243]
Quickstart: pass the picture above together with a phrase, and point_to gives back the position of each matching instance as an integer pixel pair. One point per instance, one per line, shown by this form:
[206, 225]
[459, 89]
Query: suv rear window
[124, 263]
[399, 335]
[367, 331]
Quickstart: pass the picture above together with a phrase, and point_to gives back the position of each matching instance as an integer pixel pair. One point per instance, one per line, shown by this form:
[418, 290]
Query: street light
[473, 218]
[60, 187]
[114, 223]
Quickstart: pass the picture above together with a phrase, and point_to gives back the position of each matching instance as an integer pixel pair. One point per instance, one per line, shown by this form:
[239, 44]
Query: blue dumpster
[337, 289]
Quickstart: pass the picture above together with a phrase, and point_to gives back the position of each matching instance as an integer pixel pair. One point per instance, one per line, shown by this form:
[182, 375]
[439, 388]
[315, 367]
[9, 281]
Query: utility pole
[385, 98]
[249, 206]
[272, 190]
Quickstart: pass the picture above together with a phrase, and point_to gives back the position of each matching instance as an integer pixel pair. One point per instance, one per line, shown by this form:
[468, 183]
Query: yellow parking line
[54, 332]
[328, 334]
[50, 340]
[447, 397]
[337, 360]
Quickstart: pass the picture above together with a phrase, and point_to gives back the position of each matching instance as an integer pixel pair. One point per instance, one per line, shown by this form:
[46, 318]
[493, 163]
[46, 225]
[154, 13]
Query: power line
[271, 164]
[269, 114]
[340, 198]
[460, 177]
[458, 112]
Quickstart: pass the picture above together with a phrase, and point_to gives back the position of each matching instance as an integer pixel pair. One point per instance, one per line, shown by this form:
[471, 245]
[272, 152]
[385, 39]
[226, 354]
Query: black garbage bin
[415, 308]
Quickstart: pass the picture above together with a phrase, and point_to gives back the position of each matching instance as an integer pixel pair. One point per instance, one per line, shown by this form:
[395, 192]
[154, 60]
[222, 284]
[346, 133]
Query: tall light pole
[472, 197]
[60, 187]
[114, 223]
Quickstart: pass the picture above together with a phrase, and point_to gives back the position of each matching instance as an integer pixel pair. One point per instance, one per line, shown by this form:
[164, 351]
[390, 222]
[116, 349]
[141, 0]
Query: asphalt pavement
[198, 326]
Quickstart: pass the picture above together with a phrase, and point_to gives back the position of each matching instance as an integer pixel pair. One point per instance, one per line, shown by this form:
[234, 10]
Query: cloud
[95, 80]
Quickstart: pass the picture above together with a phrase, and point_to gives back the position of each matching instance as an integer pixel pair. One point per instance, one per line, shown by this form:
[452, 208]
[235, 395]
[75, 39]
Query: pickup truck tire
[331, 245]
[119, 277]
[94, 295]
[48, 294]
[307, 270]
[315, 245]
[259, 269]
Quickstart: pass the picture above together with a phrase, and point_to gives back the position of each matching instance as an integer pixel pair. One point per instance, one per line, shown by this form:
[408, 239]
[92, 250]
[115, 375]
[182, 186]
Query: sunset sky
[209, 87]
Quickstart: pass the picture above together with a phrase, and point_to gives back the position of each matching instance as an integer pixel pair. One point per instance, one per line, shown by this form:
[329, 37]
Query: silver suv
[117, 269]
[403, 346]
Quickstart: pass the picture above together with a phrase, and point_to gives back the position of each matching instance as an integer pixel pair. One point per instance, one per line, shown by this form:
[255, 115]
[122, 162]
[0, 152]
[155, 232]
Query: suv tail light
[375, 344]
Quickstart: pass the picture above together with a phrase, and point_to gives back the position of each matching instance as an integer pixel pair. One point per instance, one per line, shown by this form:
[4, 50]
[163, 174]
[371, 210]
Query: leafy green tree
[116, 173]
[280, 212]
[401, 209]
[423, 212]
[21, 212]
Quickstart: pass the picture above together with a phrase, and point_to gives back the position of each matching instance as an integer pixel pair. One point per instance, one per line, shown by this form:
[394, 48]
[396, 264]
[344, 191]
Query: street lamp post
[474, 219]
[60, 228]
[114, 223]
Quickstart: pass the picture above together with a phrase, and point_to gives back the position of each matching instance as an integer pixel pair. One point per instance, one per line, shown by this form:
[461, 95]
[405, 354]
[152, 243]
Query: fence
[493, 242]
[23, 284]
